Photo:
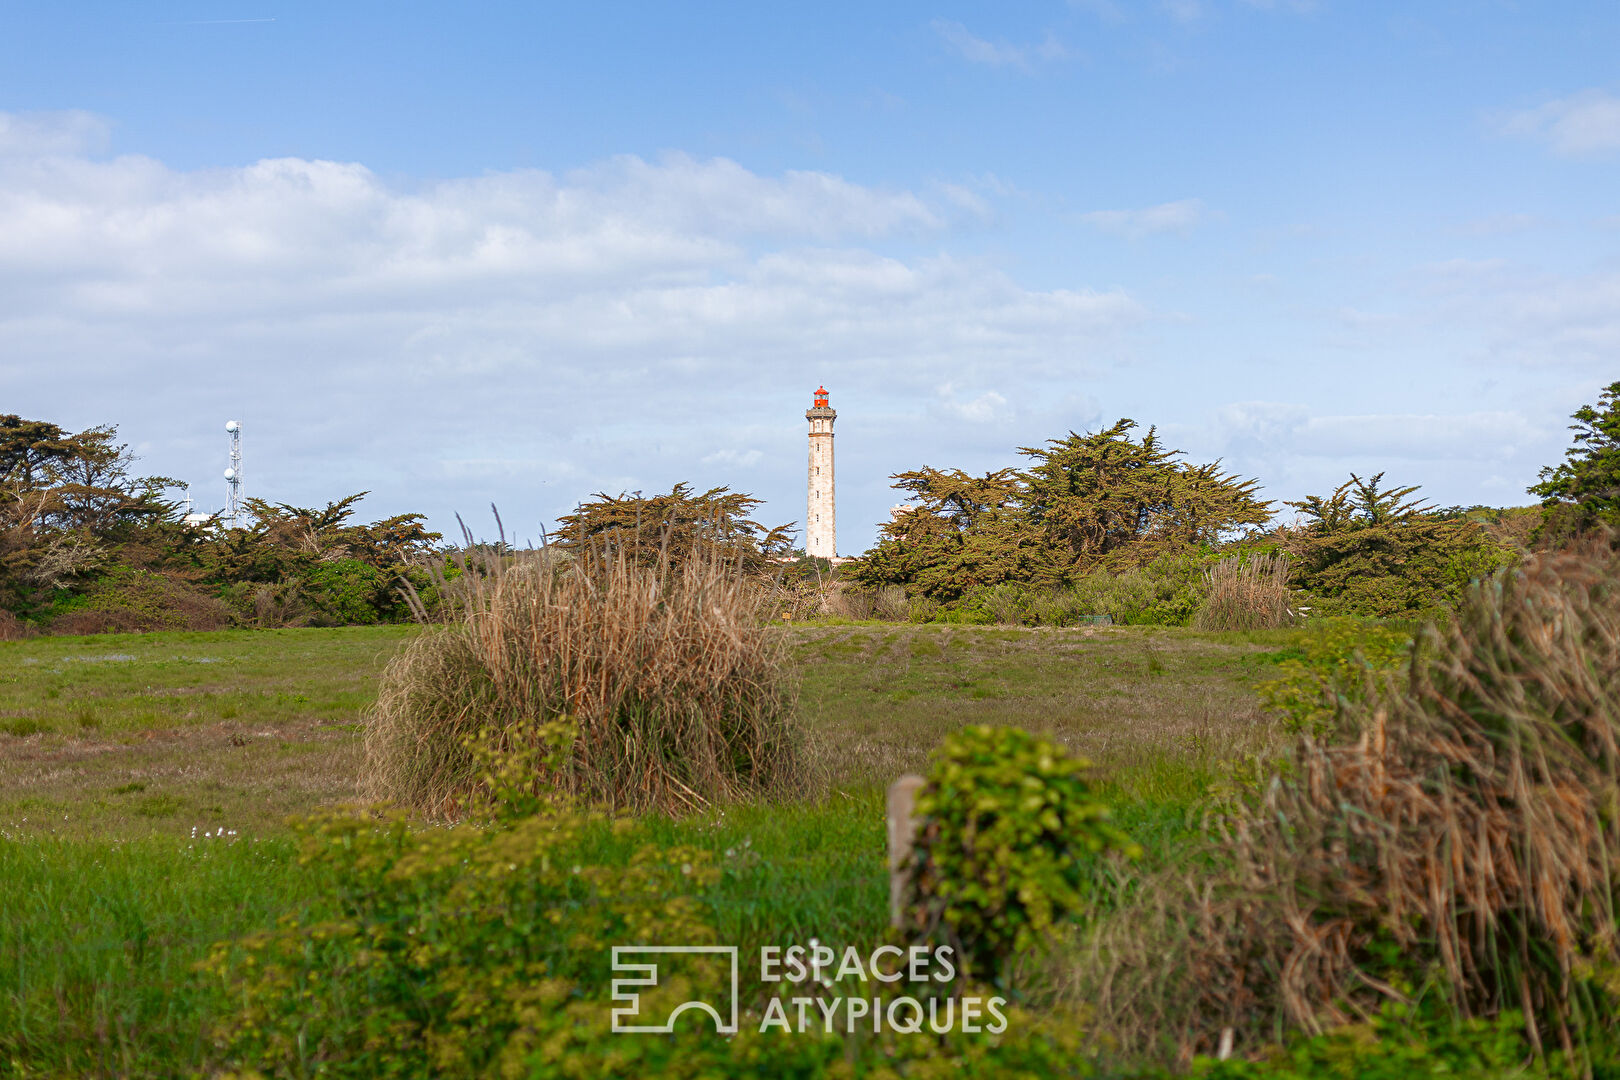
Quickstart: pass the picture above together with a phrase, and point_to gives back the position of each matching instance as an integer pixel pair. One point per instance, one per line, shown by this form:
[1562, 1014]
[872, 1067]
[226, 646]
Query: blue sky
[463, 254]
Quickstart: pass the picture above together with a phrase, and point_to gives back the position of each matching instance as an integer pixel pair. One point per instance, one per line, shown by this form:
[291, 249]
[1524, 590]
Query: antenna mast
[233, 477]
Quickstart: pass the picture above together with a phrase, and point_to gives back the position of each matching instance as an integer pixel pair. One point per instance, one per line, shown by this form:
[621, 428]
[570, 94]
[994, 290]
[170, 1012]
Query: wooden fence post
[902, 831]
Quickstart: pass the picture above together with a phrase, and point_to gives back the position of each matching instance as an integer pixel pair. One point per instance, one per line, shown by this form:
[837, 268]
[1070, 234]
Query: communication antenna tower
[233, 476]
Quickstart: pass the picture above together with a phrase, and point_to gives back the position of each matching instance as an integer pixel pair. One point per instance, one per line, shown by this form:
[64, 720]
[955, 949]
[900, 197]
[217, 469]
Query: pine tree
[1584, 489]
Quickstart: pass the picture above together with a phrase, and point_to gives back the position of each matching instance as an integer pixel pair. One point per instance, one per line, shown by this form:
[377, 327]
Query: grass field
[145, 782]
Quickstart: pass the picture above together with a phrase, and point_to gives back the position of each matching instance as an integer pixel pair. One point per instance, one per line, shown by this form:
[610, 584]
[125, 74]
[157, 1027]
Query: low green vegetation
[1005, 828]
[1311, 843]
[106, 915]
[1152, 707]
[132, 734]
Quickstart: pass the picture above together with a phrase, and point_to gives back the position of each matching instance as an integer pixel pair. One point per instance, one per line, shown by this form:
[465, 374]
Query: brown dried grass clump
[1247, 594]
[677, 689]
[1469, 828]
[887, 603]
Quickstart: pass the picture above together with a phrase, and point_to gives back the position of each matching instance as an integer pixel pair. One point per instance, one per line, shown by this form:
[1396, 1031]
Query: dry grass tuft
[887, 603]
[13, 628]
[1468, 833]
[1247, 594]
[678, 690]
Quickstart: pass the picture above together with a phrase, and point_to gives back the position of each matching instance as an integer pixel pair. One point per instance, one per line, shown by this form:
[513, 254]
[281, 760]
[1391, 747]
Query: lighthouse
[820, 519]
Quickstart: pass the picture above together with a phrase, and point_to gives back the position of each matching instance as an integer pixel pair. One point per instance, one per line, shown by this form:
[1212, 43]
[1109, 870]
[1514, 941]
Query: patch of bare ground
[877, 699]
[238, 775]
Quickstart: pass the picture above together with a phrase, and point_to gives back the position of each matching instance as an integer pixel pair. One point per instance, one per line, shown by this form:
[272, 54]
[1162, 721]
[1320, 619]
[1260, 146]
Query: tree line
[86, 544]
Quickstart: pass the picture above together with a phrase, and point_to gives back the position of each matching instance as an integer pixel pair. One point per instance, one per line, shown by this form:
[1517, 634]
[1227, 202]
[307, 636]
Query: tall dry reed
[1467, 835]
[1246, 594]
[677, 689]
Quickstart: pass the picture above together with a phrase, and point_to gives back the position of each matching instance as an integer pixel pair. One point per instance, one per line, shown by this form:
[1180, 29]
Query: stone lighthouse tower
[820, 520]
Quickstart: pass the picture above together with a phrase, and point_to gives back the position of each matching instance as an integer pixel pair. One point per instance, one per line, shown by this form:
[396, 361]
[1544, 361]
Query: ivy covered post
[902, 831]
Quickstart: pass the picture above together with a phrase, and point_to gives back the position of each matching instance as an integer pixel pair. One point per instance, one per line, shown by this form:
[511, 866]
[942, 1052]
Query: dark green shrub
[21, 726]
[1394, 1045]
[1003, 824]
[348, 592]
[485, 950]
[1336, 661]
[1376, 552]
[128, 599]
[1164, 592]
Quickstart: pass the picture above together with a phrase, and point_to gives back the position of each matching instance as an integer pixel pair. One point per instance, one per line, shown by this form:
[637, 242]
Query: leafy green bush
[458, 951]
[128, 599]
[1002, 825]
[348, 592]
[1164, 592]
[485, 950]
[1337, 661]
[1377, 552]
[1394, 1045]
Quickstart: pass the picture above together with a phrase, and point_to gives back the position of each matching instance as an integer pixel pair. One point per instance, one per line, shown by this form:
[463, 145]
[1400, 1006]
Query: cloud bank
[522, 337]
[1180, 216]
[977, 50]
[1579, 125]
[529, 337]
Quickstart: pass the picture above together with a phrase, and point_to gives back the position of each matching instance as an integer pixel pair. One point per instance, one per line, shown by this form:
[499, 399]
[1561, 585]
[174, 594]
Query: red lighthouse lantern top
[821, 397]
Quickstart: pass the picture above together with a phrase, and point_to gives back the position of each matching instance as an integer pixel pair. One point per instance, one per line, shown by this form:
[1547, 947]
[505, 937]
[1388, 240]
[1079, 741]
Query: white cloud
[987, 407]
[1533, 319]
[1500, 225]
[977, 50]
[1581, 124]
[50, 134]
[1184, 11]
[1179, 216]
[1106, 10]
[1300, 6]
[1377, 436]
[1299, 450]
[523, 337]
[742, 459]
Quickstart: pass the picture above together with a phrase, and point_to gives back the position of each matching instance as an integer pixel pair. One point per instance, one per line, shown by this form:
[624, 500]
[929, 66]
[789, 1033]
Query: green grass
[1133, 700]
[97, 940]
[128, 683]
[110, 892]
[235, 728]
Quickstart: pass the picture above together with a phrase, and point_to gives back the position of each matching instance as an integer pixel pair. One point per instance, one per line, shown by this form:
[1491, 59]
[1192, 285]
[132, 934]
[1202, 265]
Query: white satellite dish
[231, 425]
[230, 474]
